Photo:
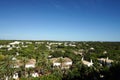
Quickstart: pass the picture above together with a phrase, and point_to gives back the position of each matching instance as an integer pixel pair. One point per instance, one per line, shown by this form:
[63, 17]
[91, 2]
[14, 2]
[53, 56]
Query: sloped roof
[58, 59]
[105, 59]
[20, 62]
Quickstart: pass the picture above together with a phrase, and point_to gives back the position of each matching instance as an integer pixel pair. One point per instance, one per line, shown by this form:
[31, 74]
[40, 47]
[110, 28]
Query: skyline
[66, 20]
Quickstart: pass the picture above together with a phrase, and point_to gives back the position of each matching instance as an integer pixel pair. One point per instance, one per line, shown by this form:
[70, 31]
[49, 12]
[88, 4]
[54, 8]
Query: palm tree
[24, 60]
[6, 67]
[61, 60]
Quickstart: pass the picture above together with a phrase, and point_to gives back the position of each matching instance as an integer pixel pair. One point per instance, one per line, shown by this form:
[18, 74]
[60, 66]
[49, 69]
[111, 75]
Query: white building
[73, 45]
[49, 47]
[10, 48]
[28, 42]
[15, 42]
[89, 64]
[31, 63]
[55, 43]
[1, 46]
[35, 74]
[92, 48]
[105, 52]
[15, 76]
[105, 60]
[17, 54]
[39, 42]
[64, 63]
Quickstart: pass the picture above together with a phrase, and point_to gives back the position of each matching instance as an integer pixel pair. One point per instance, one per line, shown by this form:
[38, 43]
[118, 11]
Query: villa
[29, 63]
[15, 42]
[89, 64]
[105, 60]
[64, 63]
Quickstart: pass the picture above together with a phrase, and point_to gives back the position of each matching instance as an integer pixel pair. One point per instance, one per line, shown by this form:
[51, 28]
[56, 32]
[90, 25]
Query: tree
[113, 72]
[50, 77]
[6, 67]
[24, 60]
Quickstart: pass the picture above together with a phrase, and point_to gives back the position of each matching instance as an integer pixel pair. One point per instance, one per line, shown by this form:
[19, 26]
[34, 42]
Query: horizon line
[61, 40]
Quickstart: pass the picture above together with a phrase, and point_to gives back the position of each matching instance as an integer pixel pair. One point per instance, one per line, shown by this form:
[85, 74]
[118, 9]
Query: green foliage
[113, 72]
[57, 54]
[32, 78]
[5, 42]
[6, 67]
[2, 57]
[50, 77]
[77, 72]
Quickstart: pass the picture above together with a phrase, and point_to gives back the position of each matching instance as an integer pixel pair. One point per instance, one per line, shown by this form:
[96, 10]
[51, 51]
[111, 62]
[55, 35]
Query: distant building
[17, 63]
[105, 52]
[35, 74]
[10, 48]
[28, 42]
[55, 43]
[29, 63]
[15, 42]
[1, 46]
[105, 61]
[73, 45]
[15, 76]
[39, 42]
[64, 63]
[92, 48]
[17, 54]
[87, 62]
[49, 47]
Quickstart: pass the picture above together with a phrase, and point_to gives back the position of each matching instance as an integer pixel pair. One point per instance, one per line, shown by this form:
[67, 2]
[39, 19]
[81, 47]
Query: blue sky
[74, 20]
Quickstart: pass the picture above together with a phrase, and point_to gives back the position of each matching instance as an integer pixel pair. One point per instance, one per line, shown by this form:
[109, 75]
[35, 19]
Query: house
[53, 43]
[89, 64]
[35, 74]
[15, 76]
[10, 48]
[65, 44]
[17, 54]
[1, 46]
[92, 48]
[17, 63]
[78, 52]
[14, 59]
[28, 42]
[105, 61]
[29, 63]
[15, 42]
[39, 42]
[49, 47]
[81, 50]
[63, 63]
[105, 52]
[73, 45]
[49, 56]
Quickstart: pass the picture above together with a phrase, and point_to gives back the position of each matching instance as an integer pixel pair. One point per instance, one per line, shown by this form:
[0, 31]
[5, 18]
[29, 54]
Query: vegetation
[41, 50]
